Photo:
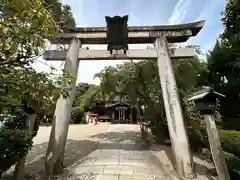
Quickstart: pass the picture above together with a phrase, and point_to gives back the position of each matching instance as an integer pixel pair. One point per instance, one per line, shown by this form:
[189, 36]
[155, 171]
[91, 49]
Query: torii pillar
[162, 35]
[179, 140]
[60, 124]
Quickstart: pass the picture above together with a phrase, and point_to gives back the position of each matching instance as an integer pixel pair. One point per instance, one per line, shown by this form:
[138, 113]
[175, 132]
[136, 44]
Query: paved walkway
[114, 152]
[121, 155]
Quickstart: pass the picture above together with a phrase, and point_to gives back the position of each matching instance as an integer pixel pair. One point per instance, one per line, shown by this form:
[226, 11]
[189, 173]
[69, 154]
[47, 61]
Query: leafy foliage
[61, 13]
[233, 164]
[140, 81]
[87, 95]
[24, 88]
[223, 65]
[24, 26]
[231, 141]
[14, 141]
[224, 62]
[77, 115]
[230, 19]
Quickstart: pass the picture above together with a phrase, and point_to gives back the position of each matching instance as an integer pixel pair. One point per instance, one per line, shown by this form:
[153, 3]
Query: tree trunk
[19, 168]
[179, 140]
[58, 136]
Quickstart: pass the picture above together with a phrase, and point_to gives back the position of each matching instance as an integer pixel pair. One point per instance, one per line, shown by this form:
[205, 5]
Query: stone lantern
[206, 103]
[206, 100]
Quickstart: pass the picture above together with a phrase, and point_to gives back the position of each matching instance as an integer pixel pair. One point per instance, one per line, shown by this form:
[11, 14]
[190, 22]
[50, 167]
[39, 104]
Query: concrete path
[121, 155]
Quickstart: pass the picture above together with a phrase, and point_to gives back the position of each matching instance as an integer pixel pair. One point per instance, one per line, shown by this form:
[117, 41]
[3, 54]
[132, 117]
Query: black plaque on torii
[117, 33]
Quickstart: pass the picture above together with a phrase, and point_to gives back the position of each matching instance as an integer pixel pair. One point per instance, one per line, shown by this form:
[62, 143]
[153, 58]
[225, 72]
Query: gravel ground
[82, 139]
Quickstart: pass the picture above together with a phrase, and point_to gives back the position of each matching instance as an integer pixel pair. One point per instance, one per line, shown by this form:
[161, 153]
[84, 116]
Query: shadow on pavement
[75, 150]
[164, 157]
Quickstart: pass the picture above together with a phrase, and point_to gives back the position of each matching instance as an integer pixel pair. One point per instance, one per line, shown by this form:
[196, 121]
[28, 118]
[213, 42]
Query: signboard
[54, 55]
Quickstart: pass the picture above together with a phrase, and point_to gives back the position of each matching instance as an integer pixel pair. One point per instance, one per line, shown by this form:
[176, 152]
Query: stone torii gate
[160, 36]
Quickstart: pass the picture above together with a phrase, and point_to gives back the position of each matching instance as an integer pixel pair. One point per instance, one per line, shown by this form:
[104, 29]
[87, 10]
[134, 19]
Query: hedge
[231, 124]
[230, 141]
[14, 144]
[14, 141]
[197, 139]
[160, 130]
[233, 164]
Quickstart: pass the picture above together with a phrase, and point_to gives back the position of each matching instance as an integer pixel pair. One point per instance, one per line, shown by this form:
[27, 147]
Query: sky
[91, 13]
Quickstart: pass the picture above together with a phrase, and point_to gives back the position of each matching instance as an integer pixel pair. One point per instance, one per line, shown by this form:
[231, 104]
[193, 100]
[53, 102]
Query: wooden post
[20, 166]
[131, 115]
[112, 116]
[119, 115]
[58, 136]
[179, 140]
[216, 149]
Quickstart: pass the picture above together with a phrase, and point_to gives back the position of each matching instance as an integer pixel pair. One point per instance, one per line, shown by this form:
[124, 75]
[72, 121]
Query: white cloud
[208, 10]
[205, 14]
[179, 11]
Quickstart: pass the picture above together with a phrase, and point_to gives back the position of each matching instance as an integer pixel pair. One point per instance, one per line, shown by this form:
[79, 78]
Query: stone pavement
[121, 155]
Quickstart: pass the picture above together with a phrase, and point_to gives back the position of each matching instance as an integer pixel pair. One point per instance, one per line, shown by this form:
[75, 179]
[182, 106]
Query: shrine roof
[117, 104]
[136, 34]
[204, 91]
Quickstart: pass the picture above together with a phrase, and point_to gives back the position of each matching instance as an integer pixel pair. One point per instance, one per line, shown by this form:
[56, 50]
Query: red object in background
[92, 115]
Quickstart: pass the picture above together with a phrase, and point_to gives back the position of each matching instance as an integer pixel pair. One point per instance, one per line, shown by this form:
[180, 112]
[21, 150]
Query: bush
[231, 124]
[14, 141]
[233, 164]
[230, 141]
[197, 139]
[14, 144]
[77, 115]
[160, 130]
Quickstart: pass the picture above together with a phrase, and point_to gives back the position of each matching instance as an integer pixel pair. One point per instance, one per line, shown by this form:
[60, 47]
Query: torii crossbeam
[137, 54]
[136, 34]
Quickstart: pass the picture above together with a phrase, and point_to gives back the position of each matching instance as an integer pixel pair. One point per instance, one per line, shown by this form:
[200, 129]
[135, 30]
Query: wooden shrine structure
[117, 35]
[117, 109]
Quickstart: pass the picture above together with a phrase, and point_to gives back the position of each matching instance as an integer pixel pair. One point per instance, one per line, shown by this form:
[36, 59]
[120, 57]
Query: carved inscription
[54, 54]
[169, 33]
[155, 33]
[118, 53]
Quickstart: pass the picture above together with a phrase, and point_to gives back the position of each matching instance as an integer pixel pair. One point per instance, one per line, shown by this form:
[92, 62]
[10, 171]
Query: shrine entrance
[118, 35]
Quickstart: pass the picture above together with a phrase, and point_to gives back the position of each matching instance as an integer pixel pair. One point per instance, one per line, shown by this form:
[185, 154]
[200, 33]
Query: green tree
[224, 60]
[140, 81]
[230, 19]
[61, 13]
[24, 25]
[81, 88]
[23, 89]
[223, 65]
[89, 97]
